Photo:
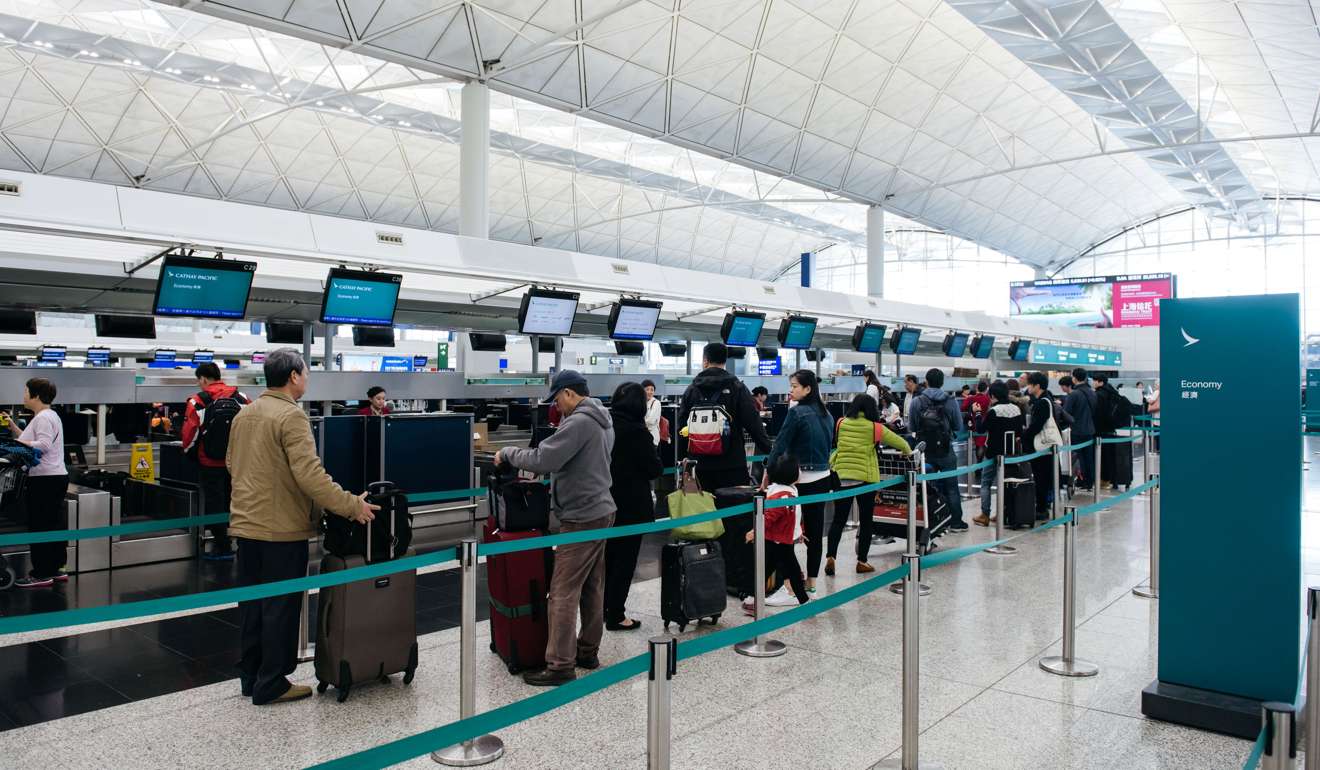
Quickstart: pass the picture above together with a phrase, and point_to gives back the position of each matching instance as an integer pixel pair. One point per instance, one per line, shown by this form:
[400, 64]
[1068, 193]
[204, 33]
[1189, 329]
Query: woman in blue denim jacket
[808, 433]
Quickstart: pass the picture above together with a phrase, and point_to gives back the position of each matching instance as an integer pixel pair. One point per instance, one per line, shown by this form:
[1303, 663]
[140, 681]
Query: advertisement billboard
[1102, 302]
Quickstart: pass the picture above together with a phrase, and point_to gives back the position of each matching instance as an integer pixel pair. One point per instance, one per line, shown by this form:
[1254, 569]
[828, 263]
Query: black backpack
[217, 422]
[1114, 407]
[933, 428]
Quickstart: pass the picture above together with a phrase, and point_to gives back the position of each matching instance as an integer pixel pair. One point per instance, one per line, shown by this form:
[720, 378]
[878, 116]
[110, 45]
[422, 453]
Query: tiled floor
[832, 702]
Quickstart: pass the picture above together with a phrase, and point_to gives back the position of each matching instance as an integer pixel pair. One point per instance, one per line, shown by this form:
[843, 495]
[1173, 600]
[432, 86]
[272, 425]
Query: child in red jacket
[780, 531]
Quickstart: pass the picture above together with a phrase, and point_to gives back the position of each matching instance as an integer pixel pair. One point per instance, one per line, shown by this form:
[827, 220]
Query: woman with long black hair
[634, 464]
[808, 434]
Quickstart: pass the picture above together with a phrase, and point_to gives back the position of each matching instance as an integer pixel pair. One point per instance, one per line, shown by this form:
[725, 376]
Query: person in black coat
[634, 464]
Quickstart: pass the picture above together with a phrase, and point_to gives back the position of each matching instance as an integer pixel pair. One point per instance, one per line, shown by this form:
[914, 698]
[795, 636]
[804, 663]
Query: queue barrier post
[1280, 722]
[306, 647]
[971, 460]
[1054, 492]
[909, 754]
[1312, 714]
[900, 587]
[1068, 664]
[1151, 588]
[758, 647]
[1002, 549]
[485, 748]
[659, 691]
[1095, 480]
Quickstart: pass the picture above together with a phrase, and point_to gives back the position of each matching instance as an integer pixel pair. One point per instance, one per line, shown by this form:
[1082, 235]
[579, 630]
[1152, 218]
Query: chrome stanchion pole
[1003, 549]
[1311, 716]
[1151, 588]
[484, 748]
[664, 664]
[1095, 480]
[911, 671]
[758, 647]
[306, 648]
[1054, 493]
[1280, 722]
[900, 586]
[1068, 664]
[971, 460]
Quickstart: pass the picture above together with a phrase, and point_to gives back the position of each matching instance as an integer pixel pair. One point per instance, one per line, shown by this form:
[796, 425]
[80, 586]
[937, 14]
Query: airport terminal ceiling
[724, 136]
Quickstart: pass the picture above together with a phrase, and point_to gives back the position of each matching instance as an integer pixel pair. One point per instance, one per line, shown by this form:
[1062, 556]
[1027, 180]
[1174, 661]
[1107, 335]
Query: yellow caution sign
[142, 465]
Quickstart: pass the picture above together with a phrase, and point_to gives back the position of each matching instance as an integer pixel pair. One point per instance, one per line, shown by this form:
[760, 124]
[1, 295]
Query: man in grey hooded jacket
[577, 456]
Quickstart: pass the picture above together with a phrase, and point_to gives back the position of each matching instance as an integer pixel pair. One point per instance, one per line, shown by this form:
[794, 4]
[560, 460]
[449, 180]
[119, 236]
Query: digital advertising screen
[867, 338]
[904, 340]
[1101, 302]
[189, 287]
[547, 313]
[795, 332]
[955, 344]
[633, 319]
[742, 329]
[360, 298]
[982, 346]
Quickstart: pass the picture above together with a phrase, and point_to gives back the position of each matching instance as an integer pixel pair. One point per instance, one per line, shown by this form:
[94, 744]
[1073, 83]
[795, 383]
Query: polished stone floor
[832, 702]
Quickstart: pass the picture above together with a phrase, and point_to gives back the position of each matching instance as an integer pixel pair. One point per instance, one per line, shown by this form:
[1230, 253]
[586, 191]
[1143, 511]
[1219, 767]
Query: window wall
[1214, 258]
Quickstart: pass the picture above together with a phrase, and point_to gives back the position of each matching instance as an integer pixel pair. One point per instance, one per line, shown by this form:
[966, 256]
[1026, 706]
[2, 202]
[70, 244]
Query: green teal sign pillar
[1230, 605]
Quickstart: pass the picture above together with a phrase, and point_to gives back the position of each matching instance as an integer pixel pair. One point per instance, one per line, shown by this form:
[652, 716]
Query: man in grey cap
[577, 456]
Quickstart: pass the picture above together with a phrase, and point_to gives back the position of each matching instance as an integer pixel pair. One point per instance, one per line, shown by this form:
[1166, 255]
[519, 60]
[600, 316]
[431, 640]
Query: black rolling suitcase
[1019, 503]
[388, 534]
[367, 630]
[691, 583]
[1116, 464]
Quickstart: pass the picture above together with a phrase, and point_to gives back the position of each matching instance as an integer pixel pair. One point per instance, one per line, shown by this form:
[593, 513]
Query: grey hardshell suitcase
[365, 630]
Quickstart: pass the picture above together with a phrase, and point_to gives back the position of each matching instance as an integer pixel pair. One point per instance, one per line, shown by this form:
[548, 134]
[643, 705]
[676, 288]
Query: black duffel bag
[391, 530]
[518, 504]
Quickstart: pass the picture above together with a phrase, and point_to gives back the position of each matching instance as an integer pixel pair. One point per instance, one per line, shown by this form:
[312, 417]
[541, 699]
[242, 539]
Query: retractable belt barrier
[186, 522]
[1122, 439]
[1258, 748]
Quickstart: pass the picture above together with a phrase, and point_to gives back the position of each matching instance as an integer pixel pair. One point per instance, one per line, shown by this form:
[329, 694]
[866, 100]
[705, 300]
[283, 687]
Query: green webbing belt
[1121, 440]
[521, 611]
[1075, 447]
[422, 498]
[135, 528]
[1025, 458]
[607, 533]
[963, 471]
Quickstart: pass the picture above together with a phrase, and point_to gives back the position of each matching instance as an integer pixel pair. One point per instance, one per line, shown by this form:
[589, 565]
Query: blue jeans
[988, 476]
[949, 487]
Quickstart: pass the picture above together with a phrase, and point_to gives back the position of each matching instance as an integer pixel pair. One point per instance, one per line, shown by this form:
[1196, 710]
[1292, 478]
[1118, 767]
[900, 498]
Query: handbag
[1049, 435]
[664, 430]
[690, 500]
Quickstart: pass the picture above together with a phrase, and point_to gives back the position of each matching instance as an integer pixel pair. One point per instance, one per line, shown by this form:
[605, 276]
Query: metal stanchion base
[897, 588]
[1146, 592]
[1072, 668]
[897, 764]
[478, 751]
[1002, 549]
[770, 648]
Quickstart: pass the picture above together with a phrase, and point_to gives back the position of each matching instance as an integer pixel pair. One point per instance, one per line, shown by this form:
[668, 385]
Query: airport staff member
[375, 403]
[578, 457]
[277, 477]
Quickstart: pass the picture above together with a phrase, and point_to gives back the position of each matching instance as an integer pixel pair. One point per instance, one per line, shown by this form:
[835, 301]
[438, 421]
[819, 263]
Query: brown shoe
[981, 521]
[829, 565]
[863, 568]
[295, 692]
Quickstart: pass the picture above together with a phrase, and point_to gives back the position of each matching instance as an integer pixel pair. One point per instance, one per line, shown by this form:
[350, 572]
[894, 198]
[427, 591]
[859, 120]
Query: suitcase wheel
[343, 694]
[384, 678]
[666, 625]
[682, 627]
[412, 665]
[6, 577]
[714, 620]
[321, 687]
[408, 675]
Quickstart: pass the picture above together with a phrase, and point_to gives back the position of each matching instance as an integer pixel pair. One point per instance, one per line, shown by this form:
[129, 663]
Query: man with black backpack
[207, 419]
[1112, 411]
[715, 412]
[935, 420]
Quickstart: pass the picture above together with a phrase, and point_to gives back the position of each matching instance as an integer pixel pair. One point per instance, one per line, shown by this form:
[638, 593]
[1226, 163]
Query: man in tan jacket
[277, 480]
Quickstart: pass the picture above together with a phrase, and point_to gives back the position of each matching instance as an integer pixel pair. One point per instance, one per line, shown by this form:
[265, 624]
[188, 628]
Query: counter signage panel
[203, 288]
[1101, 302]
[98, 356]
[982, 346]
[360, 298]
[547, 313]
[955, 345]
[203, 356]
[53, 353]
[420, 362]
[396, 364]
[633, 320]
[743, 329]
[1018, 350]
[867, 338]
[1042, 353]
[796, 333]
[770, 367]
[905, 339]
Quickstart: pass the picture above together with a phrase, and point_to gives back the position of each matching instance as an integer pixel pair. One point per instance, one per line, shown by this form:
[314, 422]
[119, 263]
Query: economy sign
[1101, 302]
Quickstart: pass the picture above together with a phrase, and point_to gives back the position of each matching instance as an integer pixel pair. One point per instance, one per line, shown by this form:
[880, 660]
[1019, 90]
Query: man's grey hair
[282, 363]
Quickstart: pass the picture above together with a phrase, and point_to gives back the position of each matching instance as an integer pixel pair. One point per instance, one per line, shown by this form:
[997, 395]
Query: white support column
[474, 162]
[875, 251]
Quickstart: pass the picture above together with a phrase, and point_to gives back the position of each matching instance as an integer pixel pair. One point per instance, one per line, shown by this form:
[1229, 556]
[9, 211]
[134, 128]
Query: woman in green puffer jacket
[855, 460]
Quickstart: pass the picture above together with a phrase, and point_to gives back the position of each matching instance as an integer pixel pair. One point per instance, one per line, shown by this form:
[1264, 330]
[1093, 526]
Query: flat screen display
[673, 349]
[1019, 349]
[189, 287]
[633, 319]
[203, 356]
[396, 364]
[164, 356]
[795, 332]
[547, 313]
[98, 356]
[742, 329]
[373, 337]
[284, 333]
[18, 322]
[1100, 302]
[360, 298]
[53, 353]
[129, 326]
[904, 340]
[258, 359]
[420, 362]
[982, 346]
[770, 367]
[955, 344]
[867, 338]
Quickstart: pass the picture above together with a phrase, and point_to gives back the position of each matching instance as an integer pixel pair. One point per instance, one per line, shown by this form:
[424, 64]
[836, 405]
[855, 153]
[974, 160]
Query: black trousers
[739, 556]
[813, 523]
[620, 564]
[1042, 472]
[216, 487]
[269, 627]
[46, 513]
[781, 558]
[865, 516]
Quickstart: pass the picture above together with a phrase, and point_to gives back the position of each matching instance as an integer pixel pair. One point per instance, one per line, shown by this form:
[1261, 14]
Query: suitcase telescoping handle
[1010, 443]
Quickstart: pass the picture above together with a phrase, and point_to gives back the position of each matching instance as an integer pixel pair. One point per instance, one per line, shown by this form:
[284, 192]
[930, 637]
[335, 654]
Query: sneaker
[781, 598]
[886, 541]
[218, 555]
[61, 576]
[34, 582]
[958, 526]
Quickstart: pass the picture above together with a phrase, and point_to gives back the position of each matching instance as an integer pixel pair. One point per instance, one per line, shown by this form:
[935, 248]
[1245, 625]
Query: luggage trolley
[891, 504]
[12, 476]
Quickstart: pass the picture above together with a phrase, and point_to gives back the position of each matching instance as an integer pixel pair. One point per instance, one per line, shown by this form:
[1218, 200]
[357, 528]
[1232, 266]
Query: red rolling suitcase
[519, 586]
